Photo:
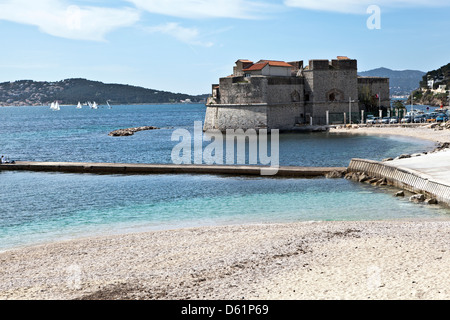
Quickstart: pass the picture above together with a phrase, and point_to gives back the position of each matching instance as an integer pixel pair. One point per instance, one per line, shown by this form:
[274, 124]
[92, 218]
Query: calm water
[42, 207]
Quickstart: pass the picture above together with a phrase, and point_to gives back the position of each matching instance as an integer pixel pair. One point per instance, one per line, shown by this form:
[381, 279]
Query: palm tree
[400, 107]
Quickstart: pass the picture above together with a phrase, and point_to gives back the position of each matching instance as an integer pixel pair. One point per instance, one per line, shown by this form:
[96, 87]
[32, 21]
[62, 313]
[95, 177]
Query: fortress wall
[285, 90]
[236, 117]
[210, 118]
[241, 90]
[343, 80]
[284, 117]
[376, 85]
[321, 82]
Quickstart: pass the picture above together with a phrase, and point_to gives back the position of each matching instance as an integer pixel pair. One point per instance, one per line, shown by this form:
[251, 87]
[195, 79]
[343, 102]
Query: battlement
[319, 64]
[341, 63]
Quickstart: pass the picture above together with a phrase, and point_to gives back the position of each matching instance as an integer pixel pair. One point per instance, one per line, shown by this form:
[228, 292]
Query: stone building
[282, 95]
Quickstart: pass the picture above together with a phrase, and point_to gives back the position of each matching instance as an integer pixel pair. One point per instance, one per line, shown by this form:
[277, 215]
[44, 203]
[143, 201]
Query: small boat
[109, 106]
[79, 105]
[55, 106]
[94, 105]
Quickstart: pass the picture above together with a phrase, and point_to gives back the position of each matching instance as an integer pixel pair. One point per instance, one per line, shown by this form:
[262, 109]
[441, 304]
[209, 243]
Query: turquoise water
[44, 207]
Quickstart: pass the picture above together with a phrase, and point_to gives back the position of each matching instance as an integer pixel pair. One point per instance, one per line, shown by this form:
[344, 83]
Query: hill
[433, 79]
[401, 82]
[434, 88]
[70, 91]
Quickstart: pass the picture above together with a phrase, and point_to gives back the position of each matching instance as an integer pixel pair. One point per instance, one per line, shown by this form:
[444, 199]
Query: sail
[54, 106]
[94, 105]
[79, 105]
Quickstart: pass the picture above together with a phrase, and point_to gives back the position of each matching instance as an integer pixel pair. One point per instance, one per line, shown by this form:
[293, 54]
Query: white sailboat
[55, 106]
[79, 105]
[94, 105]
[109, 106]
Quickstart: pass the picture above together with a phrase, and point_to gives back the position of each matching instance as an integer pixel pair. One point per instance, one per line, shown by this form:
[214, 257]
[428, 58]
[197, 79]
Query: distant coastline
[72, 91]
[121, 104]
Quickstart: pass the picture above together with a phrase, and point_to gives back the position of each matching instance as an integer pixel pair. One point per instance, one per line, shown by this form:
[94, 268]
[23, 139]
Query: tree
[368, 100]
[399, 106]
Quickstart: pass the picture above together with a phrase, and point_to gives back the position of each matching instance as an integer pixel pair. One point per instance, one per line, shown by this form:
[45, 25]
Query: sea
[43, 207]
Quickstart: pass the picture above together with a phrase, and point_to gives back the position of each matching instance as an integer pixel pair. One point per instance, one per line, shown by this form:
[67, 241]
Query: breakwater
[403, 178]
[136, 168]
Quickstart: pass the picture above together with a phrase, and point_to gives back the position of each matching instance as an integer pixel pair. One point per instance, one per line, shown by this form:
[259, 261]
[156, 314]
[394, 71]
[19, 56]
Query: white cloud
[187, 35]
[60, 19]
[360, 6]
[241, 9]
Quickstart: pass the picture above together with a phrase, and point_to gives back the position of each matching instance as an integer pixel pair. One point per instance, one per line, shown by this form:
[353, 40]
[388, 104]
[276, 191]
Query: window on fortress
[295, 96]
[334, 95]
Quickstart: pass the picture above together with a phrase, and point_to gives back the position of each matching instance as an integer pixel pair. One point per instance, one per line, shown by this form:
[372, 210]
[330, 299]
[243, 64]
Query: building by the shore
[282, 95]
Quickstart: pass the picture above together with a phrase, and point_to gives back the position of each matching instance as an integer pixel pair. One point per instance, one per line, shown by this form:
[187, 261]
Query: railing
[403, 178]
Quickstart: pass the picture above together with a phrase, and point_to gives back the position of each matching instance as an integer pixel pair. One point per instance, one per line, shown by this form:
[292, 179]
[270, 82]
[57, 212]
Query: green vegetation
[70, 91]
[369, 100]
[425, 95]
[440, 76]
[399, 108]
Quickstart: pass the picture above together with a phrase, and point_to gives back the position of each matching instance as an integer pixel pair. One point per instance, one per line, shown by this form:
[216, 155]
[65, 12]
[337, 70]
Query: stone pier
[137, 168]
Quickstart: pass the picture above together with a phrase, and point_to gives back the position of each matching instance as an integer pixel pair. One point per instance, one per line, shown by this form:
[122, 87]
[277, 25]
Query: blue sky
[186, 45]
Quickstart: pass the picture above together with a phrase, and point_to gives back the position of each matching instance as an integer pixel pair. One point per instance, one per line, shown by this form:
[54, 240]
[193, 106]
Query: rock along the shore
[130, 131]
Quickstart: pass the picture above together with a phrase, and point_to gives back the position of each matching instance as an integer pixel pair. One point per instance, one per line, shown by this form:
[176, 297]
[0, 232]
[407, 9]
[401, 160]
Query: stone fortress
[282, 95]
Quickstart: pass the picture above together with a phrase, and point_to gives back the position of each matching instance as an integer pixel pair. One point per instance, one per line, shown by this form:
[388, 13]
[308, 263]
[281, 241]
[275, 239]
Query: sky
[185, 46]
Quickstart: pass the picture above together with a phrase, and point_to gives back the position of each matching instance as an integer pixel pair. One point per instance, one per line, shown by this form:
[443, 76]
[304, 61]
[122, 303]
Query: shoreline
[422, 132]
[390, 259]
[305, 260]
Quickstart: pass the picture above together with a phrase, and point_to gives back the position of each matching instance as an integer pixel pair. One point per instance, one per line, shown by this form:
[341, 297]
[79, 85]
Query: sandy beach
[310, 260]
[305, 260]
[419, 132]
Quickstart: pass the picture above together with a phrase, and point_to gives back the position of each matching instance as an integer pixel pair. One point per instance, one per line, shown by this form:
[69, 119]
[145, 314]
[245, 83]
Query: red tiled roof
[256, 66]
[262, 63]
[275, 63]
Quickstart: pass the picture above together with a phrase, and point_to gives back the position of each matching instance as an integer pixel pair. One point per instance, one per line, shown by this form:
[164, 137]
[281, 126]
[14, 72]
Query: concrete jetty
[428, 174]
[137, 168]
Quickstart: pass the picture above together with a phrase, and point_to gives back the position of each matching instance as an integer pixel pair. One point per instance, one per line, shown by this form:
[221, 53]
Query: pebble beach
[361, 260]
[310, 260]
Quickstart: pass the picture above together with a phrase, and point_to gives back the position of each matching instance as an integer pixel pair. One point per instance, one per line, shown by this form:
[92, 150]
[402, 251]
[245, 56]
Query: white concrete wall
[276, 71]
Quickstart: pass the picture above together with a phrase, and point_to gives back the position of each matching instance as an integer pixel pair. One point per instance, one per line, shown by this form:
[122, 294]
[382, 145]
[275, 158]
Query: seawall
[136, 168]
[405, 178]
